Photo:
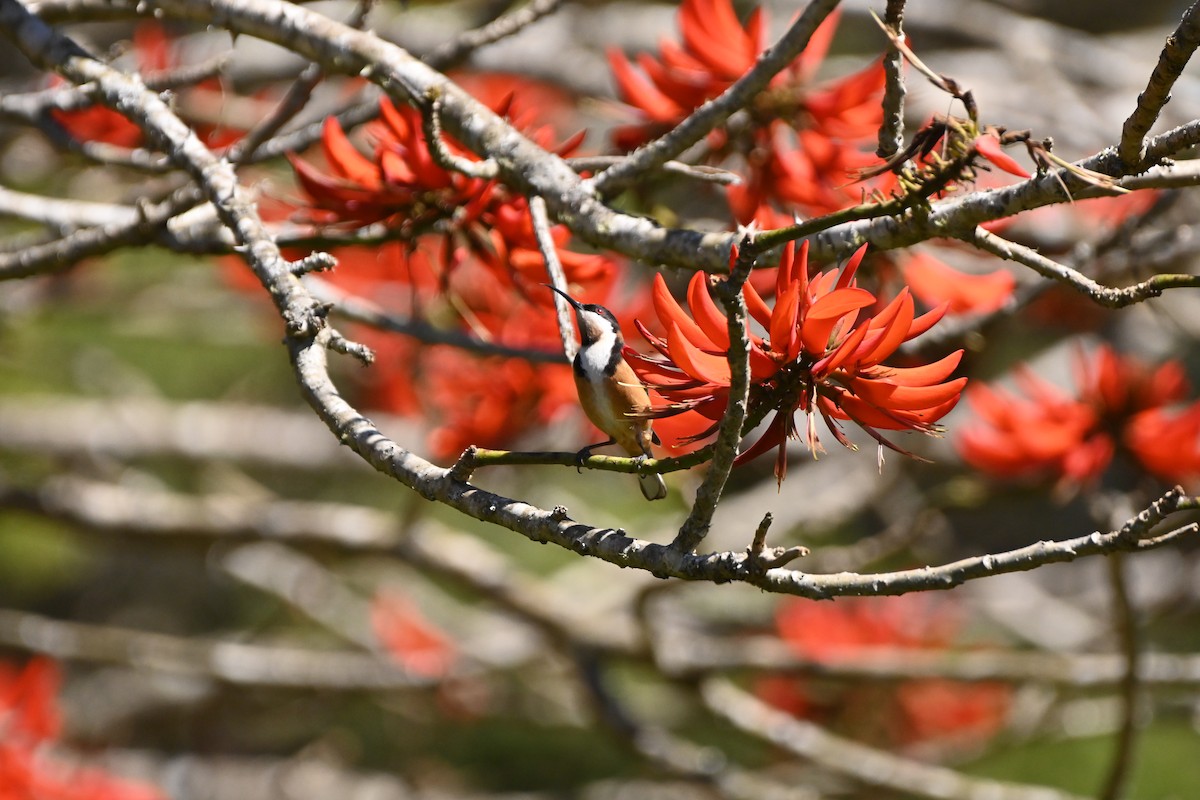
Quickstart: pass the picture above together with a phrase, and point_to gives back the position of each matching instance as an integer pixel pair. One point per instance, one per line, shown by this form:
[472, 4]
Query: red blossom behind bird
[823, 355]
[1122, 406]
[402, 186]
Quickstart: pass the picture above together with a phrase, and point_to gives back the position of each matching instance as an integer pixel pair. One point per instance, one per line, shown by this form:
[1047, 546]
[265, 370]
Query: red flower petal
[708, 317]
[693, 361]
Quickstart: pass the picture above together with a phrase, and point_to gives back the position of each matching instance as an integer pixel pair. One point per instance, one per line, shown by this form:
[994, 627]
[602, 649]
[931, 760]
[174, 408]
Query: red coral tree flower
[1122, 405]
[717, 49]
[803, 141]
[402, 186]
[823, 354]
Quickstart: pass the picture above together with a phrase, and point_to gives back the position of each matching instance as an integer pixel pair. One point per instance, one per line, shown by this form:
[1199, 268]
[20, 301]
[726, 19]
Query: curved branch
[1171, 62]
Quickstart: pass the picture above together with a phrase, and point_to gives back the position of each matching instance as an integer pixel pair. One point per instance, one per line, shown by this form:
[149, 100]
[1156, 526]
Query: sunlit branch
[1104, 295]
[891, 129]
[707, 117]
[699, 172]
[215, 177]
[531, 171]
[1174, 57]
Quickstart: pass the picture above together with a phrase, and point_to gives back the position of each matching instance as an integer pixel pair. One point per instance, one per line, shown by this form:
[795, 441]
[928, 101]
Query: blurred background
[203, 596]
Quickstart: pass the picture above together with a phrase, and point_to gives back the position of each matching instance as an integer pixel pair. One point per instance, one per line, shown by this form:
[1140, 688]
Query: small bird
[611, 395]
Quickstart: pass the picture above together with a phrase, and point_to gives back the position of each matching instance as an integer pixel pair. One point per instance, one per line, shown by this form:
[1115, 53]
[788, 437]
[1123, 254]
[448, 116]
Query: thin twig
[699, 172]
[554, 271]
[452, 53]
[891, 128]
[1174, 57]
[482, 457]
[293, 103]
[431, 125]
[363, 311]
[1106, 296]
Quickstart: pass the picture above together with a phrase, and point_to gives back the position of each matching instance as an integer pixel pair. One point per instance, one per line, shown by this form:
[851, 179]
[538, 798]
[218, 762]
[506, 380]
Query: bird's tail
[653, 486]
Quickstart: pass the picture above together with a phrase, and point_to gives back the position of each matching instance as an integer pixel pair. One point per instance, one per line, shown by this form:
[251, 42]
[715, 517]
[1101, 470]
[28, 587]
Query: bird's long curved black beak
[574, 303]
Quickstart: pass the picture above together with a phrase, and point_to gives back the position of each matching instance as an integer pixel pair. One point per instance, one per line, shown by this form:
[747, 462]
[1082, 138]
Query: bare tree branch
[1178, 49]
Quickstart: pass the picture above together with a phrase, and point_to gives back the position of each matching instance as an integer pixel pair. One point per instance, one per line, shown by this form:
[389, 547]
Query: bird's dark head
[596, 322]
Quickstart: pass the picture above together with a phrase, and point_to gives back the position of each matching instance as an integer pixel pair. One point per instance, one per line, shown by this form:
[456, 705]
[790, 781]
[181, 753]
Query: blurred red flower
[29, 724]
[935, 283]
[849, 629]
[823, 354]
[413, 641]
[1121, 406]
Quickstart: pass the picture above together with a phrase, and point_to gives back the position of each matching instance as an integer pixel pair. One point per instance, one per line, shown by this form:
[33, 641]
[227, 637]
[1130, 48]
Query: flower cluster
[29, 726]
[717, 50]
[804, 147]
[909, 712]
[403, 186]
[1121, 406]
[803, 140]
[823, 354]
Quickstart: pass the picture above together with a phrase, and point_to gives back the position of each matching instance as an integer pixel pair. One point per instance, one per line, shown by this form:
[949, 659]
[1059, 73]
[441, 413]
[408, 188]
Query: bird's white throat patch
[595, 357]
